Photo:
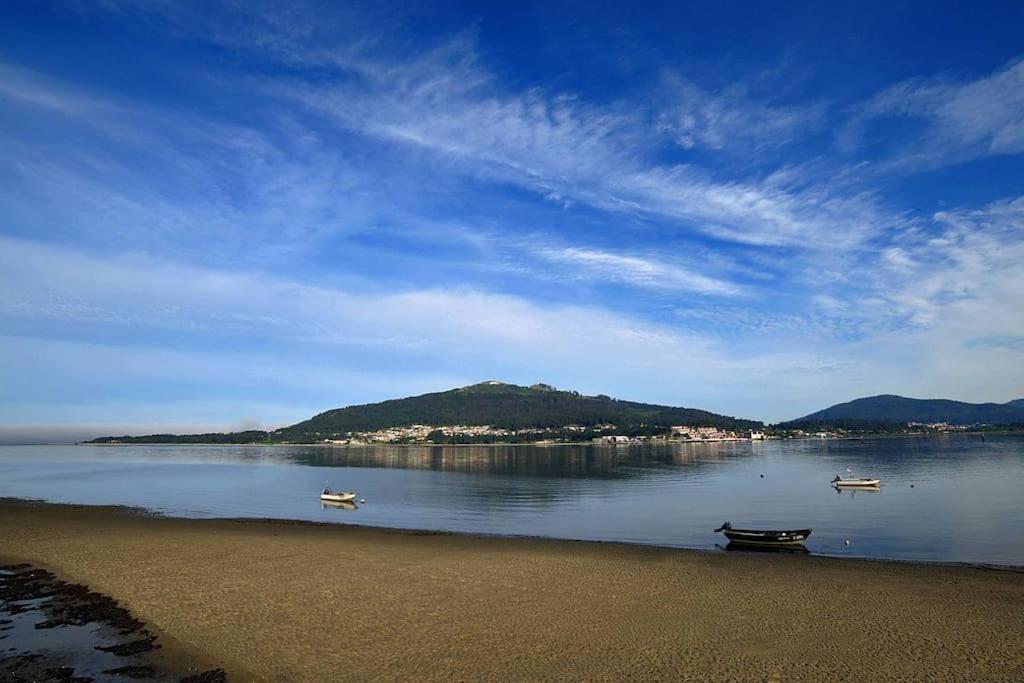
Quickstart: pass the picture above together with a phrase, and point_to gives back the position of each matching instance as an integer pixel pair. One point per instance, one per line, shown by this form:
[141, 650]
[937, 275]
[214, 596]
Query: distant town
[601, 433]
[605, 434]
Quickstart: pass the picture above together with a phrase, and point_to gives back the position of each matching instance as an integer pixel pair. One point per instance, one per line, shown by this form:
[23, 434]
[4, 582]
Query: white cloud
[558, 145]
[31, 89]
[589, 348]
[125, 171]
[953, 299]
[136, 297]
[960, 120]
[897, 259]
[446, 101]
[649, 273]
[730, 119]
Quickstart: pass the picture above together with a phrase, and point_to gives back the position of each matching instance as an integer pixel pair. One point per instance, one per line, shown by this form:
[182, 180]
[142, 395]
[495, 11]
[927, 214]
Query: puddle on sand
[51, 630]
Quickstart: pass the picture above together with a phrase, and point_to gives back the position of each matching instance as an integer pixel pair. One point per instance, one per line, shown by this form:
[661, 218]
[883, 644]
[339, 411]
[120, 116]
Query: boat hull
[857, 483]
[338, 497]
[767, 539]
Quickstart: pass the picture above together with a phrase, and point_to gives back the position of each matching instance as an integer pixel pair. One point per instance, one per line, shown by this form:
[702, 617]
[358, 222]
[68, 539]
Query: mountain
[890, 409]
[504, 406]
[500, 405]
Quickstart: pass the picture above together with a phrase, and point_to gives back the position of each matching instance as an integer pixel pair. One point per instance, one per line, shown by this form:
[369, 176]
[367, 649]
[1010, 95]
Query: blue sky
[216, 216]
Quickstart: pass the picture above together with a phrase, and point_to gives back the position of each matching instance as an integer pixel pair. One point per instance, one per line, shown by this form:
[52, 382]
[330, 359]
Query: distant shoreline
[864, 437]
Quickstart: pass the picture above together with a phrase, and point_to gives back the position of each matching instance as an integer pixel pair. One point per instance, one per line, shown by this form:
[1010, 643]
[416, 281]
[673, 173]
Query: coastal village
[600, 434]
[426, 434]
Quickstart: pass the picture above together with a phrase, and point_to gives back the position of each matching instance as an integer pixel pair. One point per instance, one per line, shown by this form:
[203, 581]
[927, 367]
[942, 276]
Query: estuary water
[955, 498]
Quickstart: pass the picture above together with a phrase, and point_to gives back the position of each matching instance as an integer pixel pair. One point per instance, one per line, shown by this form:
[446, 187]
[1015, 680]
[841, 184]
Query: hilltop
[505, 406]
[497, 404]
[889, 409]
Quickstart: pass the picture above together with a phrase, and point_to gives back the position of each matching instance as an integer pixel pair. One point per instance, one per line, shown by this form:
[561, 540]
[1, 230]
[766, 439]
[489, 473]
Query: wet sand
[275, 600]
[54, 630]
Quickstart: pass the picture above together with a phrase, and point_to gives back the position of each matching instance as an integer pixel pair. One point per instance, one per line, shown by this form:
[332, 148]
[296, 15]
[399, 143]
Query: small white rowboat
[338, 496]
[850, 483]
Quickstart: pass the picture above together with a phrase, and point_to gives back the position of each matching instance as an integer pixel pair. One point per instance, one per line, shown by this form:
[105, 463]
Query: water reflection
[338, 505]
[570, 461]
[950, 499]
[787, 550]
[854, 491]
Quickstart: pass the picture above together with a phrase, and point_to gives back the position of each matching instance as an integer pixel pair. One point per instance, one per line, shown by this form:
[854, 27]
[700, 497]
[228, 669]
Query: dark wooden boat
[764, 538]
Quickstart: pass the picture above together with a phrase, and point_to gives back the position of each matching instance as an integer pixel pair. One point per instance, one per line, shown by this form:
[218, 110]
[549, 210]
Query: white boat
[839, 482]
[338, 496]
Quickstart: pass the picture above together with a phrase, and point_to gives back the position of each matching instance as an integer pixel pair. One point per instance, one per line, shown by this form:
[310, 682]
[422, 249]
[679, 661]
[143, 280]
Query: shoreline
[533, 444]
[130, 510]
[270, 599]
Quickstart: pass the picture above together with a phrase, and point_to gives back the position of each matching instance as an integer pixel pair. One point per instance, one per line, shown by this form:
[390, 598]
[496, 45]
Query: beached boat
[764, 538]
[338, 496]
[839, 482]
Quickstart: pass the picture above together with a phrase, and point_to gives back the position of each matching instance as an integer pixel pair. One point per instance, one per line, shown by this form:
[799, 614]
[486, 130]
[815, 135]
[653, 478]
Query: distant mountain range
[542, 407]
[890, 409]
[500, 405]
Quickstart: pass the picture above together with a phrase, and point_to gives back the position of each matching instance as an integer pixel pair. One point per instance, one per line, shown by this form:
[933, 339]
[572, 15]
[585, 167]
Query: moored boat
[862, 482]
[338, 496]
[765, 538]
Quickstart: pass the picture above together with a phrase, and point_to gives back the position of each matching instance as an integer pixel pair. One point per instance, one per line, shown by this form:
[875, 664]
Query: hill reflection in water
[576, 460]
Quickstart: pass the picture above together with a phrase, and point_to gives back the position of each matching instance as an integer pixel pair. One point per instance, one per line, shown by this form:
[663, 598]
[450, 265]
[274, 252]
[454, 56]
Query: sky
[220, 215]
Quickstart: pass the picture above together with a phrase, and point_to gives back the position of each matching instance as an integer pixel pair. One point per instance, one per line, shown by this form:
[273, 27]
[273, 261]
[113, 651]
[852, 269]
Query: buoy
[363, 500]
[847, 541]
[911, 486]
[762, 476]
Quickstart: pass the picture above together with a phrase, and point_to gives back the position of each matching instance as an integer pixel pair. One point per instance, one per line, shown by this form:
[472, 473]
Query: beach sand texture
[284, 601]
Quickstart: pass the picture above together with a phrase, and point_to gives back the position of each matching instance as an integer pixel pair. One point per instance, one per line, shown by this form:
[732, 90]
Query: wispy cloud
[557, 145]
[639, 271]
[955, 280]
[957, 120]
[32, 89]
[445, 100]
[730, 119]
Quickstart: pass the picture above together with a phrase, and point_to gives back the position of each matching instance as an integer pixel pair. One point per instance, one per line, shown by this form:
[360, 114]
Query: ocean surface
[956, 498]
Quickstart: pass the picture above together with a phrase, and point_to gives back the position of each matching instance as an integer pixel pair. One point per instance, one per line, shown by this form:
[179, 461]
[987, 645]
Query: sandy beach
[289, 601]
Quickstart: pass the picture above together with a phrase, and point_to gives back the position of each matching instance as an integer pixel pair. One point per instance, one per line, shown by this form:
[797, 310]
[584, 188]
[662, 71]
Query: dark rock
[133, 647]
[138, 671]
[65, 674]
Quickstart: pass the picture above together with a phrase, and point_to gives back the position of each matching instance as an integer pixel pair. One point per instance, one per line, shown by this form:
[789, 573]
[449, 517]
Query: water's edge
[401, 531]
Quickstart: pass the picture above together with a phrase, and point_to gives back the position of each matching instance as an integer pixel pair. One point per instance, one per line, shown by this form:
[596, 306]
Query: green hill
[252, 436]
[503, 406]
[897, 410]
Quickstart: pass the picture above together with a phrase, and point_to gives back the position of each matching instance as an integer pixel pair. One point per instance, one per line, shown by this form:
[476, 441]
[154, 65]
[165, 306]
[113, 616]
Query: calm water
[947, 499]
